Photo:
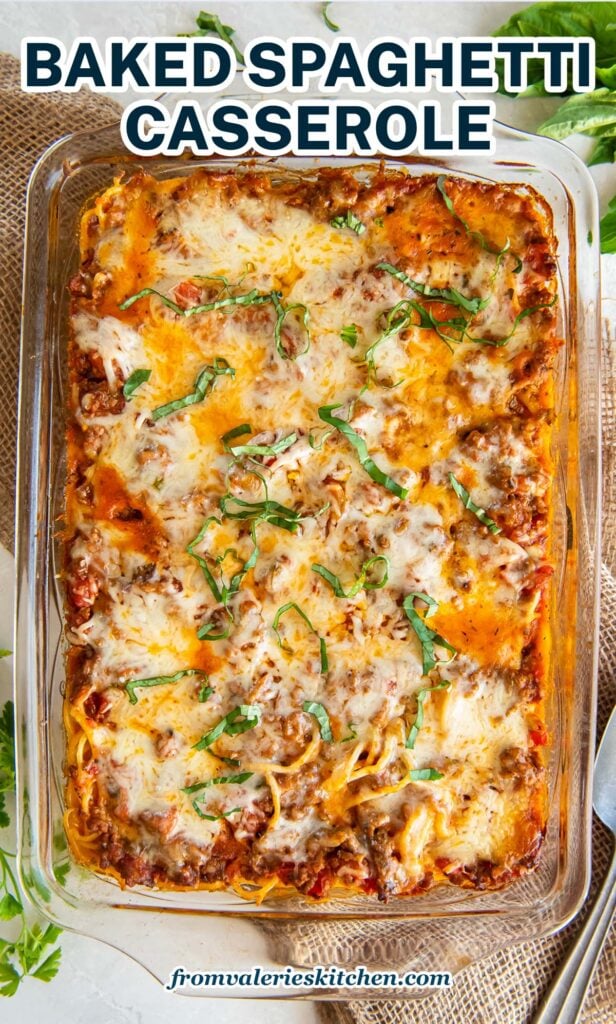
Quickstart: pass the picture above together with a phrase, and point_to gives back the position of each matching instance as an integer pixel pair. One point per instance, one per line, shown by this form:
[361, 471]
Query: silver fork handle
[563, 1003]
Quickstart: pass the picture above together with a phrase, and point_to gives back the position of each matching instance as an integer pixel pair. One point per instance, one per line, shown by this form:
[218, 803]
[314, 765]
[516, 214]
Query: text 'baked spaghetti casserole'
[308, 532]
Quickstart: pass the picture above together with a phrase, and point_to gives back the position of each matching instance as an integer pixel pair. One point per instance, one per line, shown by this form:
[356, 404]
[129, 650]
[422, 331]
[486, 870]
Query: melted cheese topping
[314, 805]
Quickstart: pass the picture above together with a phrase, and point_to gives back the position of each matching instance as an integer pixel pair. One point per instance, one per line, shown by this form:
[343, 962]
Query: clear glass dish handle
[564, 1000]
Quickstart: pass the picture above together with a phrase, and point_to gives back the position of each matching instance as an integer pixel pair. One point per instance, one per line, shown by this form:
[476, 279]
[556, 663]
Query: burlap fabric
[505, 988]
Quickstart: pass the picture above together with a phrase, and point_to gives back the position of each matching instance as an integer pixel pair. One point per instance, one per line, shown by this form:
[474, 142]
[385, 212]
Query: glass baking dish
[444, 929]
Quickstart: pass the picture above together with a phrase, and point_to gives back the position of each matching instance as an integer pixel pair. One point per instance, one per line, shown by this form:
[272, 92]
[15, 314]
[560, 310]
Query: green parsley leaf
[349, 335]
[220, 780]
[50, 967]
[361, 582]
[468, 503]
[4, 653]
[204, 383]
[419, 717]
[311, 707]
[7, 757]
[159, 681]
[136, 379]
[349, 220]
[242, 718]
[10, 907]
[428, 638]
[292, 606]
[358, 443]
[425, 774]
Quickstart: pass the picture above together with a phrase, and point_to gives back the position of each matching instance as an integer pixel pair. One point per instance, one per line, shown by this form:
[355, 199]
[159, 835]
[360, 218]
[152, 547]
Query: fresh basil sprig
[468, 503]
[471, 305]
[239, 720]
[220, 780]
[312, 707]
[358, 443]
[427, 637]
[361, 582]
[349, 220]
[135, 684]
[136, 379]
[292, 606]
[204, 383]
[419, 717]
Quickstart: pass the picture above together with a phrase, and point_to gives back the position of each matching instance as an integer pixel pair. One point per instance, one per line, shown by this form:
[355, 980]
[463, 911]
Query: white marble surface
[97, 984]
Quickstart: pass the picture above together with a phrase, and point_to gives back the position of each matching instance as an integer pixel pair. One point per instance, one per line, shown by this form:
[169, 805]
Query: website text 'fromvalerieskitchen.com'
[325, 977]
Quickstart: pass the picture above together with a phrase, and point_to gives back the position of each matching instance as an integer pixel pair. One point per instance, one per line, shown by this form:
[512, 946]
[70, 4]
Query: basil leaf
[583, 113]
[427, 637]
[204, 383]
[349, 220]
[475, 235]
[211, 23]
[608, 229]
[352, 733]
[419, 717]
[251, 298]
[158, 681]
[361, 581]
[265, 449]
[326, 18]
[425, 774]
[264, 511]
[242, 718]
[281, 314]
[468, 503]
[349, 335]
[214, 817]
[205, 631]
[311, 707]
[358, 443]
[136, 379]
[499, 342]
[604, 151]
[451, 295]
[291, 605]
[220, 780]
[222, 592]
[243, 428]
[204, 693]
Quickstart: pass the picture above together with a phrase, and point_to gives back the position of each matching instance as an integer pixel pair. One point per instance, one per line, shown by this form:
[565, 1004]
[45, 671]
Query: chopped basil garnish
[428, 638]
[425, 775]
[239, 431]
[241, 719]
[349, 335]
[251, 298]
[476, 235]
[220, 780]
[214, 817]
[352, 733]
[204, 693]
[419, 717]
[212, 23]
[311, 707]
[159, 681]
[451, 295]
[349, 220]
[222, 592]
[136, 379]
[263, 511]
[203, 385]
[499, 342]
[281, 314]
[361, 582]
[468, 503]
[373, 471]
[326, 18]
[292, 606]
[396, 320]
[270, 450]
